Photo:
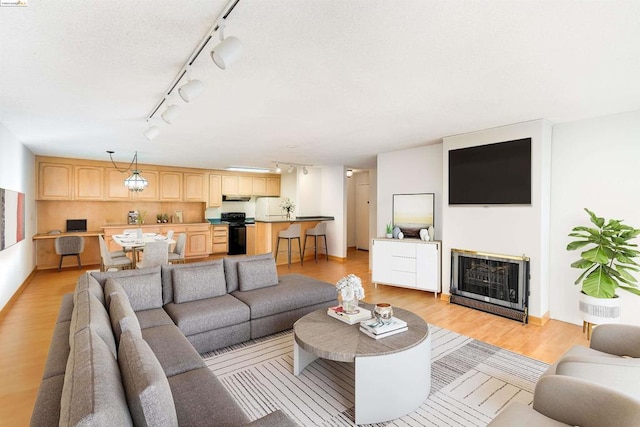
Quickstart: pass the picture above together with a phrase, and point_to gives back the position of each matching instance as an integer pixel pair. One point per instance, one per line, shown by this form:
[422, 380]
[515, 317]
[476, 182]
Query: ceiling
[321, 82]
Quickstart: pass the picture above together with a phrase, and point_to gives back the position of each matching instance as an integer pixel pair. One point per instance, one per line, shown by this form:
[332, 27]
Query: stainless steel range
[237, 232]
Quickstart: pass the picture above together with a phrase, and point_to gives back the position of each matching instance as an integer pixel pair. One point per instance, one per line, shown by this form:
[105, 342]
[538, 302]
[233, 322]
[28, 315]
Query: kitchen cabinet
[55, 181]
[220, 239]
[230, 185]
[251, 240]
[198, 240]
[245, 186]
[260, 186]
[152, 192]
[215, 190]
[410, 263]
[170, 186]
[195, 187]
[89, 182]
[273, 186]
[114, 185]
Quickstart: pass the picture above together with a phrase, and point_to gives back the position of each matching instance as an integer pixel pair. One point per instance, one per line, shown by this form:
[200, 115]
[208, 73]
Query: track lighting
[349, 173]
[278, 170]
[304, 170]
[228, 51]
[290, 169]
[191, 90]
[151, 132]
[171, 113]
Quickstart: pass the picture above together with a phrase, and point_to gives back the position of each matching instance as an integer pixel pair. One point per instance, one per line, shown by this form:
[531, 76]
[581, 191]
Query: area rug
[471, 381]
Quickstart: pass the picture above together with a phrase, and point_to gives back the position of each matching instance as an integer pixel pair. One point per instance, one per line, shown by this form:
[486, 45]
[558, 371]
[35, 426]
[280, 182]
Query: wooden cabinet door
[273, 186]
[152, 192]
[260, 186]
[198, 241]
[215, 191]
[55, 181]
[89, 182]
[230, 185]
[114, 185]
[171, 186]
[195, 187]
[245, 185]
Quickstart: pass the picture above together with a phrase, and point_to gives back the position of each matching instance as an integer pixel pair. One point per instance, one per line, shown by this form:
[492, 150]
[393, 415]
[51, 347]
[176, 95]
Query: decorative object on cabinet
[401, 235]
[411, 212]
[432, 232]
[351, 291]
[135, 182]
[395, 232]
[142, 215]
[389, 231]
[288, 207]
[177, 217]
[424, 234]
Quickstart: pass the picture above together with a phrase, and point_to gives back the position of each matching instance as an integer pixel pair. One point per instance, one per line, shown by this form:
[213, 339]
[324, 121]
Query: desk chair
[69, 246]
[319, 230]
[155, 253]
[293, 232]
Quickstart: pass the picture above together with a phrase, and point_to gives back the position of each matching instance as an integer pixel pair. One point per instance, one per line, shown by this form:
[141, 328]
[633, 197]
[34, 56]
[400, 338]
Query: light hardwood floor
[26, 327]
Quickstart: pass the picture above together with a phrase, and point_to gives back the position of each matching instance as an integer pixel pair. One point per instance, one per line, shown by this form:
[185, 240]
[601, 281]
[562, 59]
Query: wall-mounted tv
[413, 212]
[493, 174]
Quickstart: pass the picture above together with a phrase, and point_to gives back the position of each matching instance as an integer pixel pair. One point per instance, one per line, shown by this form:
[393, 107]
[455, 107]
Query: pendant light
[135, 182]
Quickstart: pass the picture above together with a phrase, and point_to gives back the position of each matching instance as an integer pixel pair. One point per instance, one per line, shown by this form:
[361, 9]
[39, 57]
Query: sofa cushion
[293, 291]
[167, 276]
[191, 284]
[144, 291]
[92, 393]
[145, 384]
[66, 307]
[46, 411]
[207, 314]
[172, 349]
[101, 277]
[231, 268]
[88, 311]
[58, 351]
[122, 316]
[256, 274]
[153, 317]
[88, 282]
[110, 286]
[192, 395]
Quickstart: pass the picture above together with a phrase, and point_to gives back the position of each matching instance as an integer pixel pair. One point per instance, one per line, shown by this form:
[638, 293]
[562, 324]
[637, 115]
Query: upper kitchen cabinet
[55, 181]
[152, 192]
[170, 186]
[245, 186]
[215, 190]
[273, 186]
[89, 182]
[260, 186]
[229, 185]
[195, 187]
[114, 185]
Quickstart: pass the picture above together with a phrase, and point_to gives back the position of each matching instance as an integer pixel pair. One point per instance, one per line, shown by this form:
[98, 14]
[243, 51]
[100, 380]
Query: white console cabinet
[410, 263]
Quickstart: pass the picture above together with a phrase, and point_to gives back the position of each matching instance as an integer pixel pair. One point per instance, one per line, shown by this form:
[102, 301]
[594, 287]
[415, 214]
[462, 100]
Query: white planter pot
[599, 311]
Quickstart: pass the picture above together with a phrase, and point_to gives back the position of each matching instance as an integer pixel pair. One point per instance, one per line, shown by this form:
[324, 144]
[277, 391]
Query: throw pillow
[88, 311]
[122, 316]
[231, 268]
[144, 291]
[257, 274]
[145, 384]
[191, 284]
[167, 277]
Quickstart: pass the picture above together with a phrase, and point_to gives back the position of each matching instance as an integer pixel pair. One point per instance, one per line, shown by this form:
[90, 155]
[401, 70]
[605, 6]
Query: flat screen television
[492, 174]
[76, 225]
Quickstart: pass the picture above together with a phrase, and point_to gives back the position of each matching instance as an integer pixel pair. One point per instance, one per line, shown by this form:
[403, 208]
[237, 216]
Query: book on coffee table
[382, 335]
[377, 327]
[351, 319]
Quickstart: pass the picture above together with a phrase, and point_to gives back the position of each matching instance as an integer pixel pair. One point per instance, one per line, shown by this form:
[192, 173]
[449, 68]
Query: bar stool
[293, 232]
[319, 230]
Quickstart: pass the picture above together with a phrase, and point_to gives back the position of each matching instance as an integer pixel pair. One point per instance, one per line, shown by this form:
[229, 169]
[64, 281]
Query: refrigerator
[268, 208]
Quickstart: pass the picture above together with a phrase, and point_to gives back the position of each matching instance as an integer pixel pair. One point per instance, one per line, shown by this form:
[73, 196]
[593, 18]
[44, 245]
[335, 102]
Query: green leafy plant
[389, 228]
[608, 258]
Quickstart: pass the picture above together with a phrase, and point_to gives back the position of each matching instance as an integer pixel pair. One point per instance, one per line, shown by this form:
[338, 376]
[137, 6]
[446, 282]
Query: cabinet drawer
[403, 264]
[404, 250]
[403, 278]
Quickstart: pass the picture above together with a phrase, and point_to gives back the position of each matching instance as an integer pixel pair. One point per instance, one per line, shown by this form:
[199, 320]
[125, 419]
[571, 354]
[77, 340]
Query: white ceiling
[320, 82]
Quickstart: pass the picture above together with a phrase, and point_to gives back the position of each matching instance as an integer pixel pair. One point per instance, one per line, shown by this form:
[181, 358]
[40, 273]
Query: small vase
[288, 216]
[351, 306]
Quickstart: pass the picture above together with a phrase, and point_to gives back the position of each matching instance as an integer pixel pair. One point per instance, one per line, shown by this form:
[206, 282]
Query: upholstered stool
[69, 246]
[293, 232]
[319, 230]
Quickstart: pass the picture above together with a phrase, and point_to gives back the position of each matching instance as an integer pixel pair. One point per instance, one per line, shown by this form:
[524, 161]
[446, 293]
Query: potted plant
[389, 232]
[606, 261]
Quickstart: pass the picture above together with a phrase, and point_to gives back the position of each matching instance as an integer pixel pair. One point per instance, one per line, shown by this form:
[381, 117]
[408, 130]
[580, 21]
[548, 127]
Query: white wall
[17, 173]
[333, 202]
[307, 191]
[418, 170]
[596, 165]
[508, 230]
[351, 210]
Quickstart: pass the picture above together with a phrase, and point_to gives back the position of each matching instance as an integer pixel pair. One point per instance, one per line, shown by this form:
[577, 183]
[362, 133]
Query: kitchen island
[266, 236]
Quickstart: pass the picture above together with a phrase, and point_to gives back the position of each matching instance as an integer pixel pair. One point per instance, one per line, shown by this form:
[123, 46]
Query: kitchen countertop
[298, 219]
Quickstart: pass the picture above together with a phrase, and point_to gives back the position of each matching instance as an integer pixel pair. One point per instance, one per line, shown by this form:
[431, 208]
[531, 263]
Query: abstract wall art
[11, 218]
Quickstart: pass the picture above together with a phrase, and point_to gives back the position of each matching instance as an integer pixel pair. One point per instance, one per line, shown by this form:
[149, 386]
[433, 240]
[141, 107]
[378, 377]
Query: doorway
[362, 216]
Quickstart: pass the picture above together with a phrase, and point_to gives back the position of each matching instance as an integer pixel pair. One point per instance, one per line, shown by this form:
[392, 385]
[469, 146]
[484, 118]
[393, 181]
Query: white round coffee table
[392, 374]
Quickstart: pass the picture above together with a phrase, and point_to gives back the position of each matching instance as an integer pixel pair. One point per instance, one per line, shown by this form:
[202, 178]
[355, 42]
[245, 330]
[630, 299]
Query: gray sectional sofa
[126, 344]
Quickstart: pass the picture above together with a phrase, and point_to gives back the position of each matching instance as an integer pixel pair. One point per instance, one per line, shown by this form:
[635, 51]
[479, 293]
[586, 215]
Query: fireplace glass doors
[498, 284]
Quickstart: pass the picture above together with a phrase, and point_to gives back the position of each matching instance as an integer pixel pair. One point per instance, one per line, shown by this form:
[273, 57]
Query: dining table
[136, 242]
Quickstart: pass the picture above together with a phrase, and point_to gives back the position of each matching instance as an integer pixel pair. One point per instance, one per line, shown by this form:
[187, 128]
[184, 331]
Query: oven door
[237, 239]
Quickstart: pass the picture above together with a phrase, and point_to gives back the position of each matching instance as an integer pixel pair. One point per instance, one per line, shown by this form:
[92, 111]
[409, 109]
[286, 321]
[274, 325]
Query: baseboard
[539, 321]
[445, 297]
[335, 258]
[16, 295]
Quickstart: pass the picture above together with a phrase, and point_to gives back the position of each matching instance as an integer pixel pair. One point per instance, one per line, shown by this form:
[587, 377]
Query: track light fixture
[135, 182]
[151, 132]
[304, 170]
[191, 90]
[349, 173]
[290, 169]
[171, 113]
[278, 170]
[228, 51]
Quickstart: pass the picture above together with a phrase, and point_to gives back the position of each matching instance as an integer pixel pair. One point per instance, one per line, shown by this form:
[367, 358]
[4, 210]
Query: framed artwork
[11, 218]
[413, 212]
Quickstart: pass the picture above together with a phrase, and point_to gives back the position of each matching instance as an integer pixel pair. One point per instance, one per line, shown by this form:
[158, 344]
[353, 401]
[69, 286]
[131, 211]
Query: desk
[47, 258]
[135, 243]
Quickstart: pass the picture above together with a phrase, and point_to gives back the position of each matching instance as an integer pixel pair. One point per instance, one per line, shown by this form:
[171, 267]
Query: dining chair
[119, 262]
[177, 255]
[69, 246]
[293, 232]
[169, 237]
[155, 253]
[135, 233]
[319, 230]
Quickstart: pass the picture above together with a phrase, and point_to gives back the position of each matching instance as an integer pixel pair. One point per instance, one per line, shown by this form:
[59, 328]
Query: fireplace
[497, 284]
